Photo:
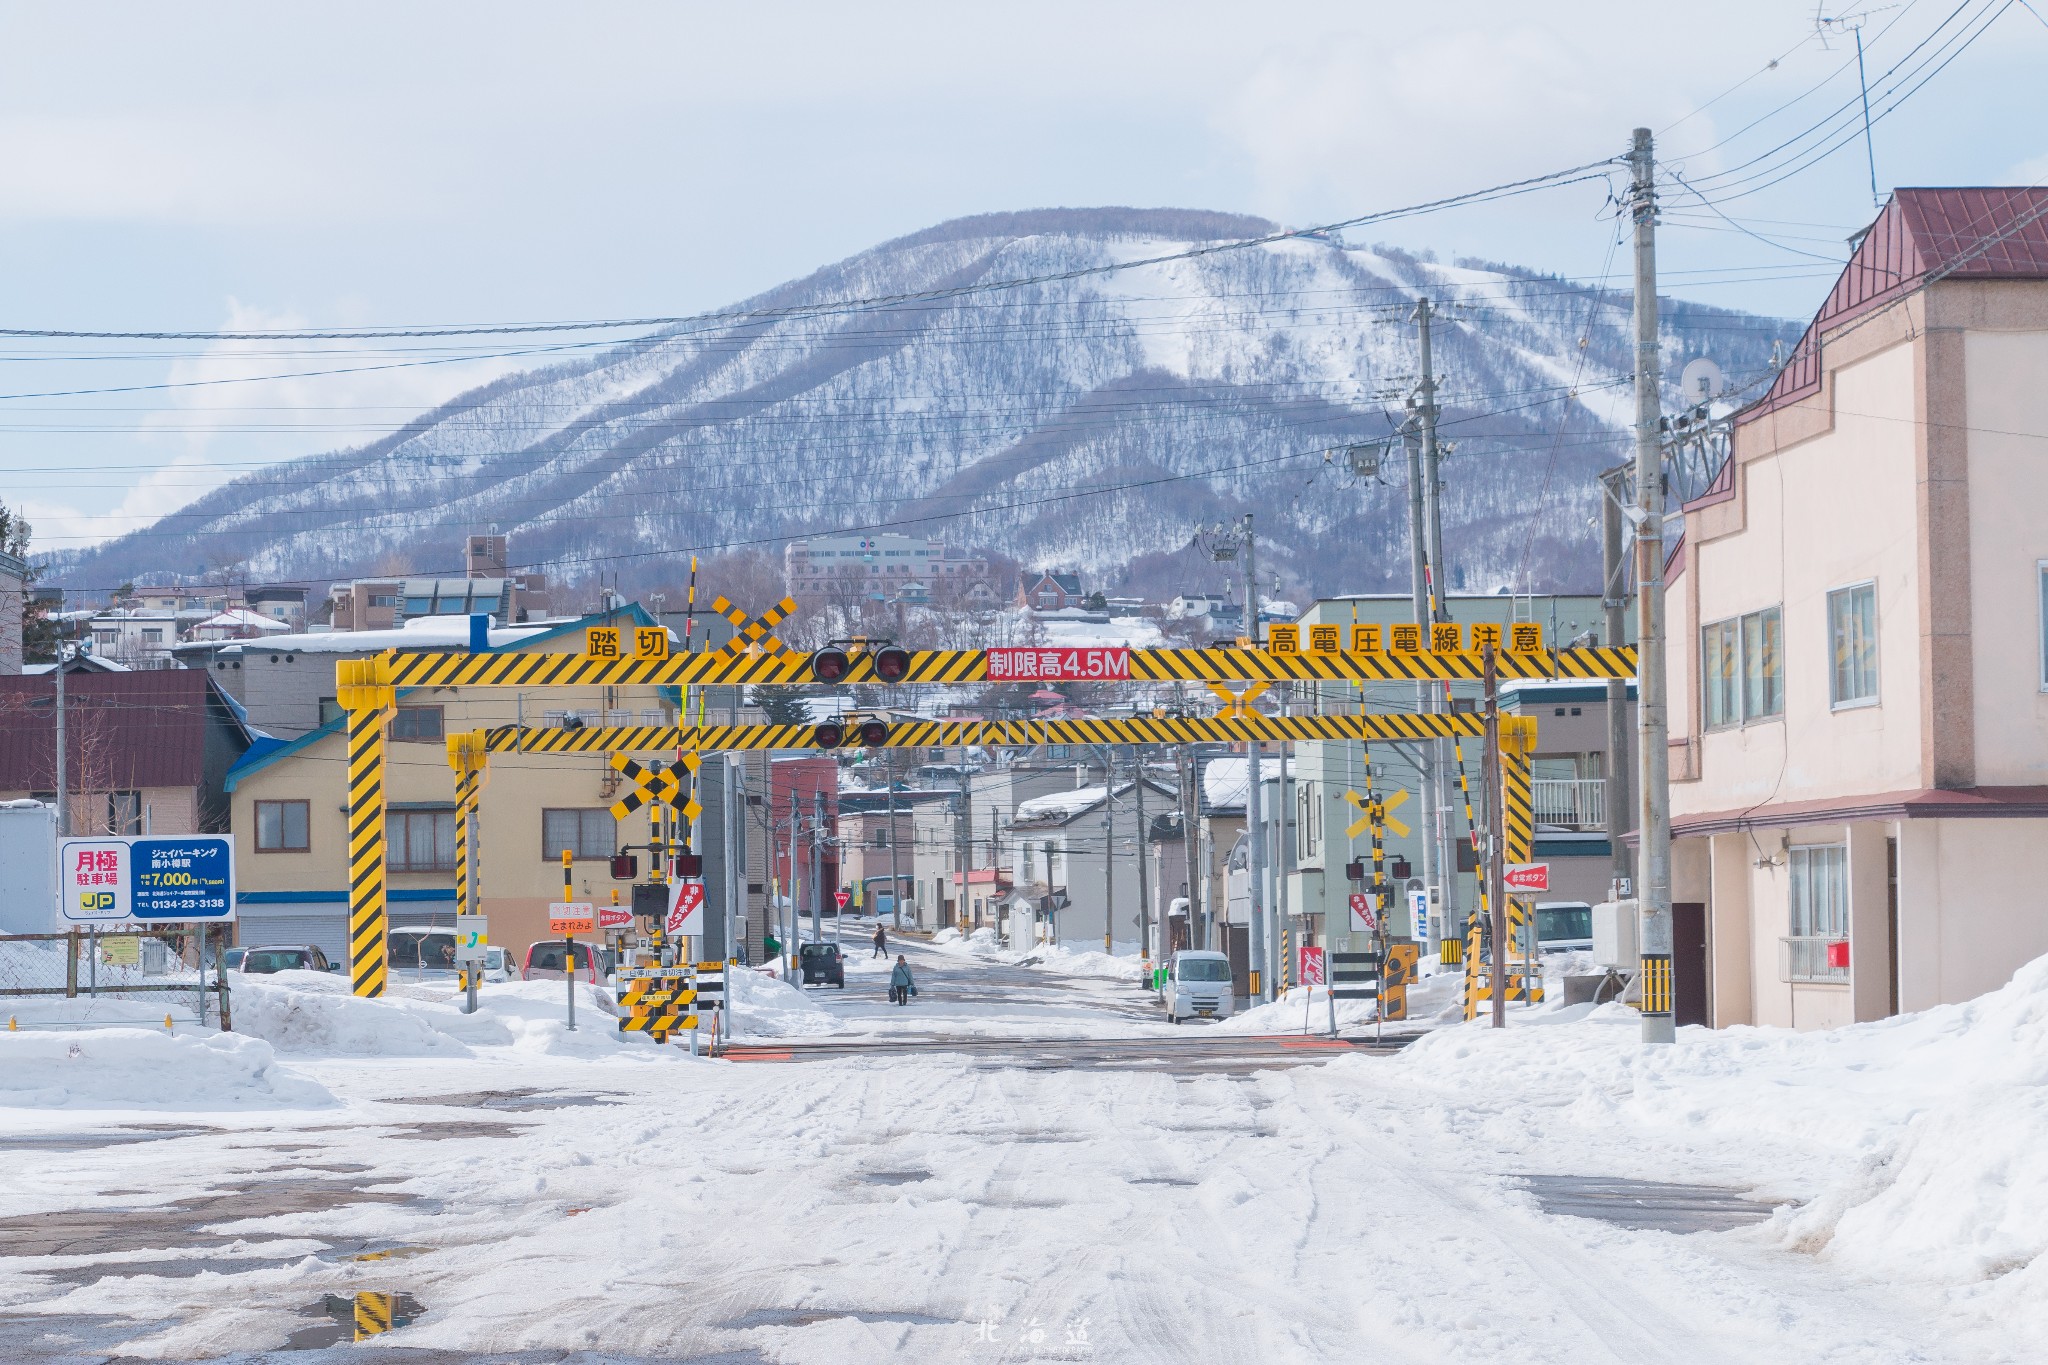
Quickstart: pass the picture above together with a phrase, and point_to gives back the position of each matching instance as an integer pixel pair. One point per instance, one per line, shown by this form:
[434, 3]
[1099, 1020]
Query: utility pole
[1496, 846]
[1253, 797]
[895, 869]
[1425, 701]
[1144, 886]
[818, 865]
[1653, 796]
[1190, 822]
[1108, 850]
[1434, 780]
[1614, 608]
[63, 769]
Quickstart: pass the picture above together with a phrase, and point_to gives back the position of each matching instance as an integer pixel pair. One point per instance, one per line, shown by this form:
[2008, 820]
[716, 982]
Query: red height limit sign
[1059, 665]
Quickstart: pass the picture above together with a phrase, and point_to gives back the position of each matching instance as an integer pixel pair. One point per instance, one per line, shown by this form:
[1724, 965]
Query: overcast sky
[203, 166]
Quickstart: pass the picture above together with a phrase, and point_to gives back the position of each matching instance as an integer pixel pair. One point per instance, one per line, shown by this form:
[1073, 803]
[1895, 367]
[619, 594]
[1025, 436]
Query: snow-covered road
[928, 1204]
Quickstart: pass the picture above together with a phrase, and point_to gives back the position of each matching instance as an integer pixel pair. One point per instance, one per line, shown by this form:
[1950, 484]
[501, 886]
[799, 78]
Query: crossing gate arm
[721, 668]
[927, 734]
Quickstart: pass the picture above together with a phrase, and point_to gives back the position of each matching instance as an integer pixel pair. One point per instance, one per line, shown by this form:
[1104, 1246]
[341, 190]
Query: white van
[1197, 983]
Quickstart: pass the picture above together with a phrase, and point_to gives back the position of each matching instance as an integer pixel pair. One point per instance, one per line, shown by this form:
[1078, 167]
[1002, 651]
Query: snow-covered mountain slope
[1089, 423]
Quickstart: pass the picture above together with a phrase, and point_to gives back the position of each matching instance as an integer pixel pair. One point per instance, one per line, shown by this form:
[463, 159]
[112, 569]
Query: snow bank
[132, 1068]
[1287, 1014]
[1074, 957]
[764, 1007]
[1925, 1128]
[316, 1012]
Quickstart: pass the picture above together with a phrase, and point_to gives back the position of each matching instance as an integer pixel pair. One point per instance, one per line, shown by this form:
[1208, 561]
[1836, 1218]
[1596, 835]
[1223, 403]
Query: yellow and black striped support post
[659, 1005]
[1518, 829]
[1475, 950]
[365, 692]
[469, 756]
[1656, 999]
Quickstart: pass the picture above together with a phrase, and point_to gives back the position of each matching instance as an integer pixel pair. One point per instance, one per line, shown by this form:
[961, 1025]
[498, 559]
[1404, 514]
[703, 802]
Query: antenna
[1823, 25]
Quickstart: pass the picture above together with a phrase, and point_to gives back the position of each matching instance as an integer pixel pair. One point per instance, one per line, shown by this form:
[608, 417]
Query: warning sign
[842, 897]
[572, 917]
[1363, 920]
[1058, 665]
[686, 909]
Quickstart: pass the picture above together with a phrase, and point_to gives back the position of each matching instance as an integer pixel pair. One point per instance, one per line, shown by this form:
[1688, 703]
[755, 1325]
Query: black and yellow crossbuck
[649, 787]
[659, 1005]
[753, 634]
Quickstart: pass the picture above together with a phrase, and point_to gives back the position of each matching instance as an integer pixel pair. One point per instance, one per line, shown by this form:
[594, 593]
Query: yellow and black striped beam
[927, 734]
[721, 668]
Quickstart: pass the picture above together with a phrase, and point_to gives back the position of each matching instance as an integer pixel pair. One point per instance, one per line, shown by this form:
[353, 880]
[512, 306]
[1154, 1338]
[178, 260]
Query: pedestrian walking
[881, 942]
[901, 986]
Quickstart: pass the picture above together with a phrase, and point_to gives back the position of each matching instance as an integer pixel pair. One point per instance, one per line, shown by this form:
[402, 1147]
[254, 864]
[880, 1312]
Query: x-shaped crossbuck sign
[650, 786]
[1387, 808]
[1237, 705]
[752, 632]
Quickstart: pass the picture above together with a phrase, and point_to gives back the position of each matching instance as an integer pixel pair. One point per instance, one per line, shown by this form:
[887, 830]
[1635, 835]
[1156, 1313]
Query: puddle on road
[895, 1177]
[1645, 1205]
[86, 1142]
[512, 1101]
[90, 1232]
[354, 1317]
[807, 1317]
[1173, 1180]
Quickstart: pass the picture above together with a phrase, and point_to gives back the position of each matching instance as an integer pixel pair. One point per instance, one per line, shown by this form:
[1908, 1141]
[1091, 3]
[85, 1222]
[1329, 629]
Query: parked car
[421, 949]
[1564, 926]
[231, 960]
[821, 962]
[294, 957]
[499, 965]
[547, 961]
[1197, 985]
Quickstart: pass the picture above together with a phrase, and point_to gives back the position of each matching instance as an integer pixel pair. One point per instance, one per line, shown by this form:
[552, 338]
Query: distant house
[1052, 590]
[146, 753]
[13, 588]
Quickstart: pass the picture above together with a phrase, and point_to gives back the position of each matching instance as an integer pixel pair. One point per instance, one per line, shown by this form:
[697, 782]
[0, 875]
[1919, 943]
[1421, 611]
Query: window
[124, 812]
[586, 833]
[331, 710]
[1742, 667]
[422, 840]
[2042, 570]
[880, 839]
[282, 826]
[383, 599]
[1817, 911]
[419, 724]
[1852, 634]
[1308, 820]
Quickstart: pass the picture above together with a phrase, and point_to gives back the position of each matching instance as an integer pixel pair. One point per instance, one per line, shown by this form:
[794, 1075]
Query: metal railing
[1575, 803]
[1805, 958]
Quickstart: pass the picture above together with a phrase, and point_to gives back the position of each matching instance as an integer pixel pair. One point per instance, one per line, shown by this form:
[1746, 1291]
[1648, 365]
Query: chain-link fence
[169, 970]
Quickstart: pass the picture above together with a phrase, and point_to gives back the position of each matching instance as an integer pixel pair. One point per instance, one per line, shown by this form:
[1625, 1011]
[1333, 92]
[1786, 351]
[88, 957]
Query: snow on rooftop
[1059, 805]
[1133, 631]
[1223, 780]
[426, 632]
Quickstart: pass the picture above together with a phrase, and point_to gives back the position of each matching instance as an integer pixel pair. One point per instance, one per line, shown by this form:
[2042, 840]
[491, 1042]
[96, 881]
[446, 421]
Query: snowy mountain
[1091, 422]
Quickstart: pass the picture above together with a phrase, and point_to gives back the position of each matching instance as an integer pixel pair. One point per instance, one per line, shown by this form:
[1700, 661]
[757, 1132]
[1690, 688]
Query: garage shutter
[322, 923]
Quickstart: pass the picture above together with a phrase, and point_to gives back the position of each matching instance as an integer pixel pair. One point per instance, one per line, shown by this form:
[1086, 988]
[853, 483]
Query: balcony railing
[1807, 958]
[1573, 803]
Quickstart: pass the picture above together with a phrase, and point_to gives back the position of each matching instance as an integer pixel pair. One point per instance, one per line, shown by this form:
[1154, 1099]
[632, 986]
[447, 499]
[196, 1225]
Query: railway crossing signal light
[834, 662]
[830, 665]
[625, 867]
[828, 734]
[891, 665]
[689, 864]
[874, 733]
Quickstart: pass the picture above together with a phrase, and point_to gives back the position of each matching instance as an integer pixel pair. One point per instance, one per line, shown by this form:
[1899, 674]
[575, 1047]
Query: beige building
[291, 841]
[1858, 625]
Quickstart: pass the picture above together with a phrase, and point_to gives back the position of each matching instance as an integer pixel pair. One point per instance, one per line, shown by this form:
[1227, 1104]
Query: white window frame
[1836, 703]
[1739, 677]
[2041, 585]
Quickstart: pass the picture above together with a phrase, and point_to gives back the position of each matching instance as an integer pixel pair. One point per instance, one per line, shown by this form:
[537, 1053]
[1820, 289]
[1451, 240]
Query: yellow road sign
[1387, 808]
[650, 642]
[602, 642]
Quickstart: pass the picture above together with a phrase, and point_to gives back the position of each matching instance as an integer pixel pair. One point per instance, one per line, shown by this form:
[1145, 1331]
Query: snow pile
[1070, 960]
[316, 1012]
[1304, 1009]
[124, 1068]
[763, 1007]
[1921, 1132]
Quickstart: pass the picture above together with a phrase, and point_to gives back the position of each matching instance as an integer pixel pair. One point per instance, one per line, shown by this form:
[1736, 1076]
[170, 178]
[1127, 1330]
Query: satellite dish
[1701, 380]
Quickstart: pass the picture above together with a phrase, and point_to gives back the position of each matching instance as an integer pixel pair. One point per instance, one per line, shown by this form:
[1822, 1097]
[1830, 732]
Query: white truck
[1197, 985]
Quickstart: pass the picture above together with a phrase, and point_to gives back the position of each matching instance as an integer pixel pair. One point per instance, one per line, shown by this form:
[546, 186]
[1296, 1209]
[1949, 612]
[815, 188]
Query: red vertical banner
[1311, 966]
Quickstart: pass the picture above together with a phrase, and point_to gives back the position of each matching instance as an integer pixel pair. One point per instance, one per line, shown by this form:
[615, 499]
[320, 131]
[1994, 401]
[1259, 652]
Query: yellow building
[291, 846]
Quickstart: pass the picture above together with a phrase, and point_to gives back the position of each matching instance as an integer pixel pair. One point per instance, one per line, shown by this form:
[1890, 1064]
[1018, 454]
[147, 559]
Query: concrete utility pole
[1435, 781]
[1190, 822]
[1496, 846]
[818, 865]
[63, 769]
[1108, 850]
[1144, 886]
[1653, 796]
[1425, 691]
[895, 869]
[1260, 953]
[1614, 607]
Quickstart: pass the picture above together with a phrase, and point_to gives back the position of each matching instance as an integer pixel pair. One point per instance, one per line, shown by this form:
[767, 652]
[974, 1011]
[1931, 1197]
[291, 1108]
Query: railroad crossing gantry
[367, 689]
